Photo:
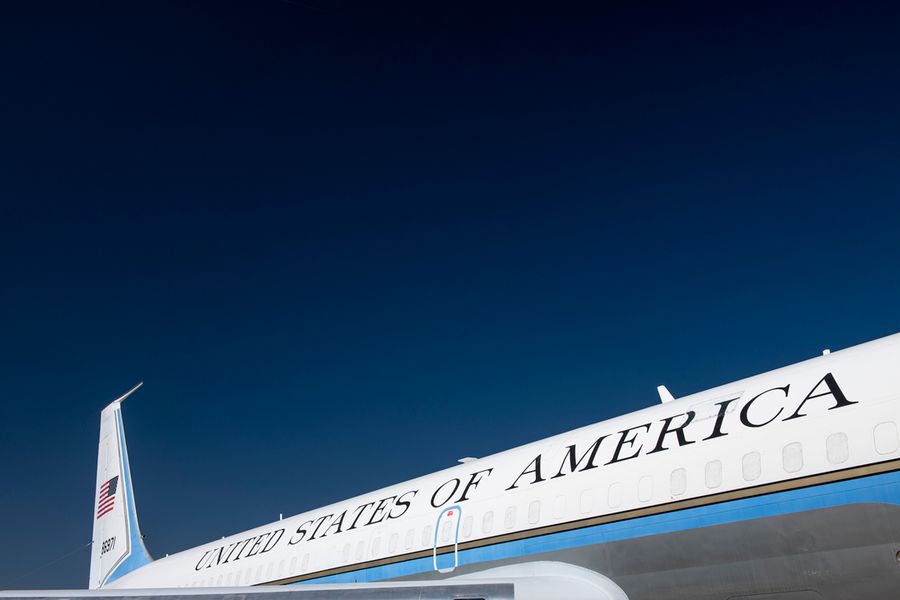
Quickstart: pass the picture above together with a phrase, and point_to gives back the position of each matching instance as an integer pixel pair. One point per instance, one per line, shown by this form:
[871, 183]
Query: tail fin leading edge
[118, 547]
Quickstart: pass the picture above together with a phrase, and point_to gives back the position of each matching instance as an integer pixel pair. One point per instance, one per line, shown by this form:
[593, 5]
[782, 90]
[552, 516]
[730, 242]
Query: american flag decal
[106, 501]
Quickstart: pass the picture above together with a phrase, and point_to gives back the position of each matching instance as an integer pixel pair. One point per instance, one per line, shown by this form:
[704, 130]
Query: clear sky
[347, 244]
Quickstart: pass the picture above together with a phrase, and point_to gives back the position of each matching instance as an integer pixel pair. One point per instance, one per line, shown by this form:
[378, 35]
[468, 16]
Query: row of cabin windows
[251, 575]
[837, 451]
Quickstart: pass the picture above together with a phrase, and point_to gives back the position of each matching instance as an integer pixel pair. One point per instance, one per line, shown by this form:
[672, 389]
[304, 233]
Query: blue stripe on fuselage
[881, 488]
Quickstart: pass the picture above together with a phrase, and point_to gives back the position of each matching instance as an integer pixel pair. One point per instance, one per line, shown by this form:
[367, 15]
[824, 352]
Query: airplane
[780, 486]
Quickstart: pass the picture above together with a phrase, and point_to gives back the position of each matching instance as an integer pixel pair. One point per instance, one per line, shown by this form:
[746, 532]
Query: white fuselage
[811, 424]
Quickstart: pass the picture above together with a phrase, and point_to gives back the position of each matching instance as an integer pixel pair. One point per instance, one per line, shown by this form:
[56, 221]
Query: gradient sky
[345, 245]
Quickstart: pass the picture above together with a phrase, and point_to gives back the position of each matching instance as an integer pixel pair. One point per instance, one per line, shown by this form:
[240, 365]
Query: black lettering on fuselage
[533, 467]
[720, 418]
[745, 419]
[320, 520]
[833, 390]
[678, 431]
[404, 503]
[624, 439]
[590, 454]
[474, 480]
[300, 533]
[380, 509]
[359, 511]
[200, 563]
[254, 549]
[273, 540]
[455, 482]
[336, 523]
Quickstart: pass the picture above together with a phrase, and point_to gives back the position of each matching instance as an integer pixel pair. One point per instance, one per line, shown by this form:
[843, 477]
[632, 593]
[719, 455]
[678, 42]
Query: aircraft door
[446, 533]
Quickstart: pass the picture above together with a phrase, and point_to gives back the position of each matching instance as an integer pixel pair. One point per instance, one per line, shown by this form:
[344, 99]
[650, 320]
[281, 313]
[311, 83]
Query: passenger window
[645, 488]
[487, 522]
[360, 551]
[228, 579]
[248, 576]
[427, 539]
[219, 581]
[467, 527]
[259, 573]
[886, 437]
[836, 448]
[294, 560]
[534, 512]
[410, 536]
[586, 501]
[713, 475]
[678, 482]
[509, 518]
[446, 531]
[305, 564]
[345, 554]
[280, 568]
[269, 570]
[376, 546]
[559, 507]
[751, 466]
[615, 495]
[392, 543]
[792, 457]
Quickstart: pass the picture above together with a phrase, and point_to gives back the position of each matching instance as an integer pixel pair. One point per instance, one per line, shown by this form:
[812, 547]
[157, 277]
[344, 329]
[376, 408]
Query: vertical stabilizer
[118, 547]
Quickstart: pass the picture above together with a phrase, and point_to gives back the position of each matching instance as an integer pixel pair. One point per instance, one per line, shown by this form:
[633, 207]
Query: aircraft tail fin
[118, 547]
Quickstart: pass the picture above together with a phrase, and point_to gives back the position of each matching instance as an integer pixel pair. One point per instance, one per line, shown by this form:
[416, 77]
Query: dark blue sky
[346, 245]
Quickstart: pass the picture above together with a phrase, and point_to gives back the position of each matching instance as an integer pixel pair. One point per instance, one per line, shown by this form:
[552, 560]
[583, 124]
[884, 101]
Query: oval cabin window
[467, 527]
[534, 512]
[713, 474]
[836, 448]
[751, 466]
[559, 507]
[586, 501]
[792, 457]
[645, 488]
[886, 437]
[509, 518]
[446, 530]
[487, 522]
[678, 482]
[615, 495]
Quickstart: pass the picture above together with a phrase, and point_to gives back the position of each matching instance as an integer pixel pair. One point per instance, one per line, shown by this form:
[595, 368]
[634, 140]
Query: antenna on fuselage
[664, 394]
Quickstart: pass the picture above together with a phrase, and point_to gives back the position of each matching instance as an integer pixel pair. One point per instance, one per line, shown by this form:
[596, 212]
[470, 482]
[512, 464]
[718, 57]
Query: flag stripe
[107, 500]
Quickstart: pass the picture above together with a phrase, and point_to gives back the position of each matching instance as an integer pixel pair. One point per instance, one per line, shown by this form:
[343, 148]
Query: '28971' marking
[107, 545]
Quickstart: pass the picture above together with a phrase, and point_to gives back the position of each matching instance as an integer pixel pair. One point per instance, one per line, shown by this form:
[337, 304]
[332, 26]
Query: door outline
[437, 531]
